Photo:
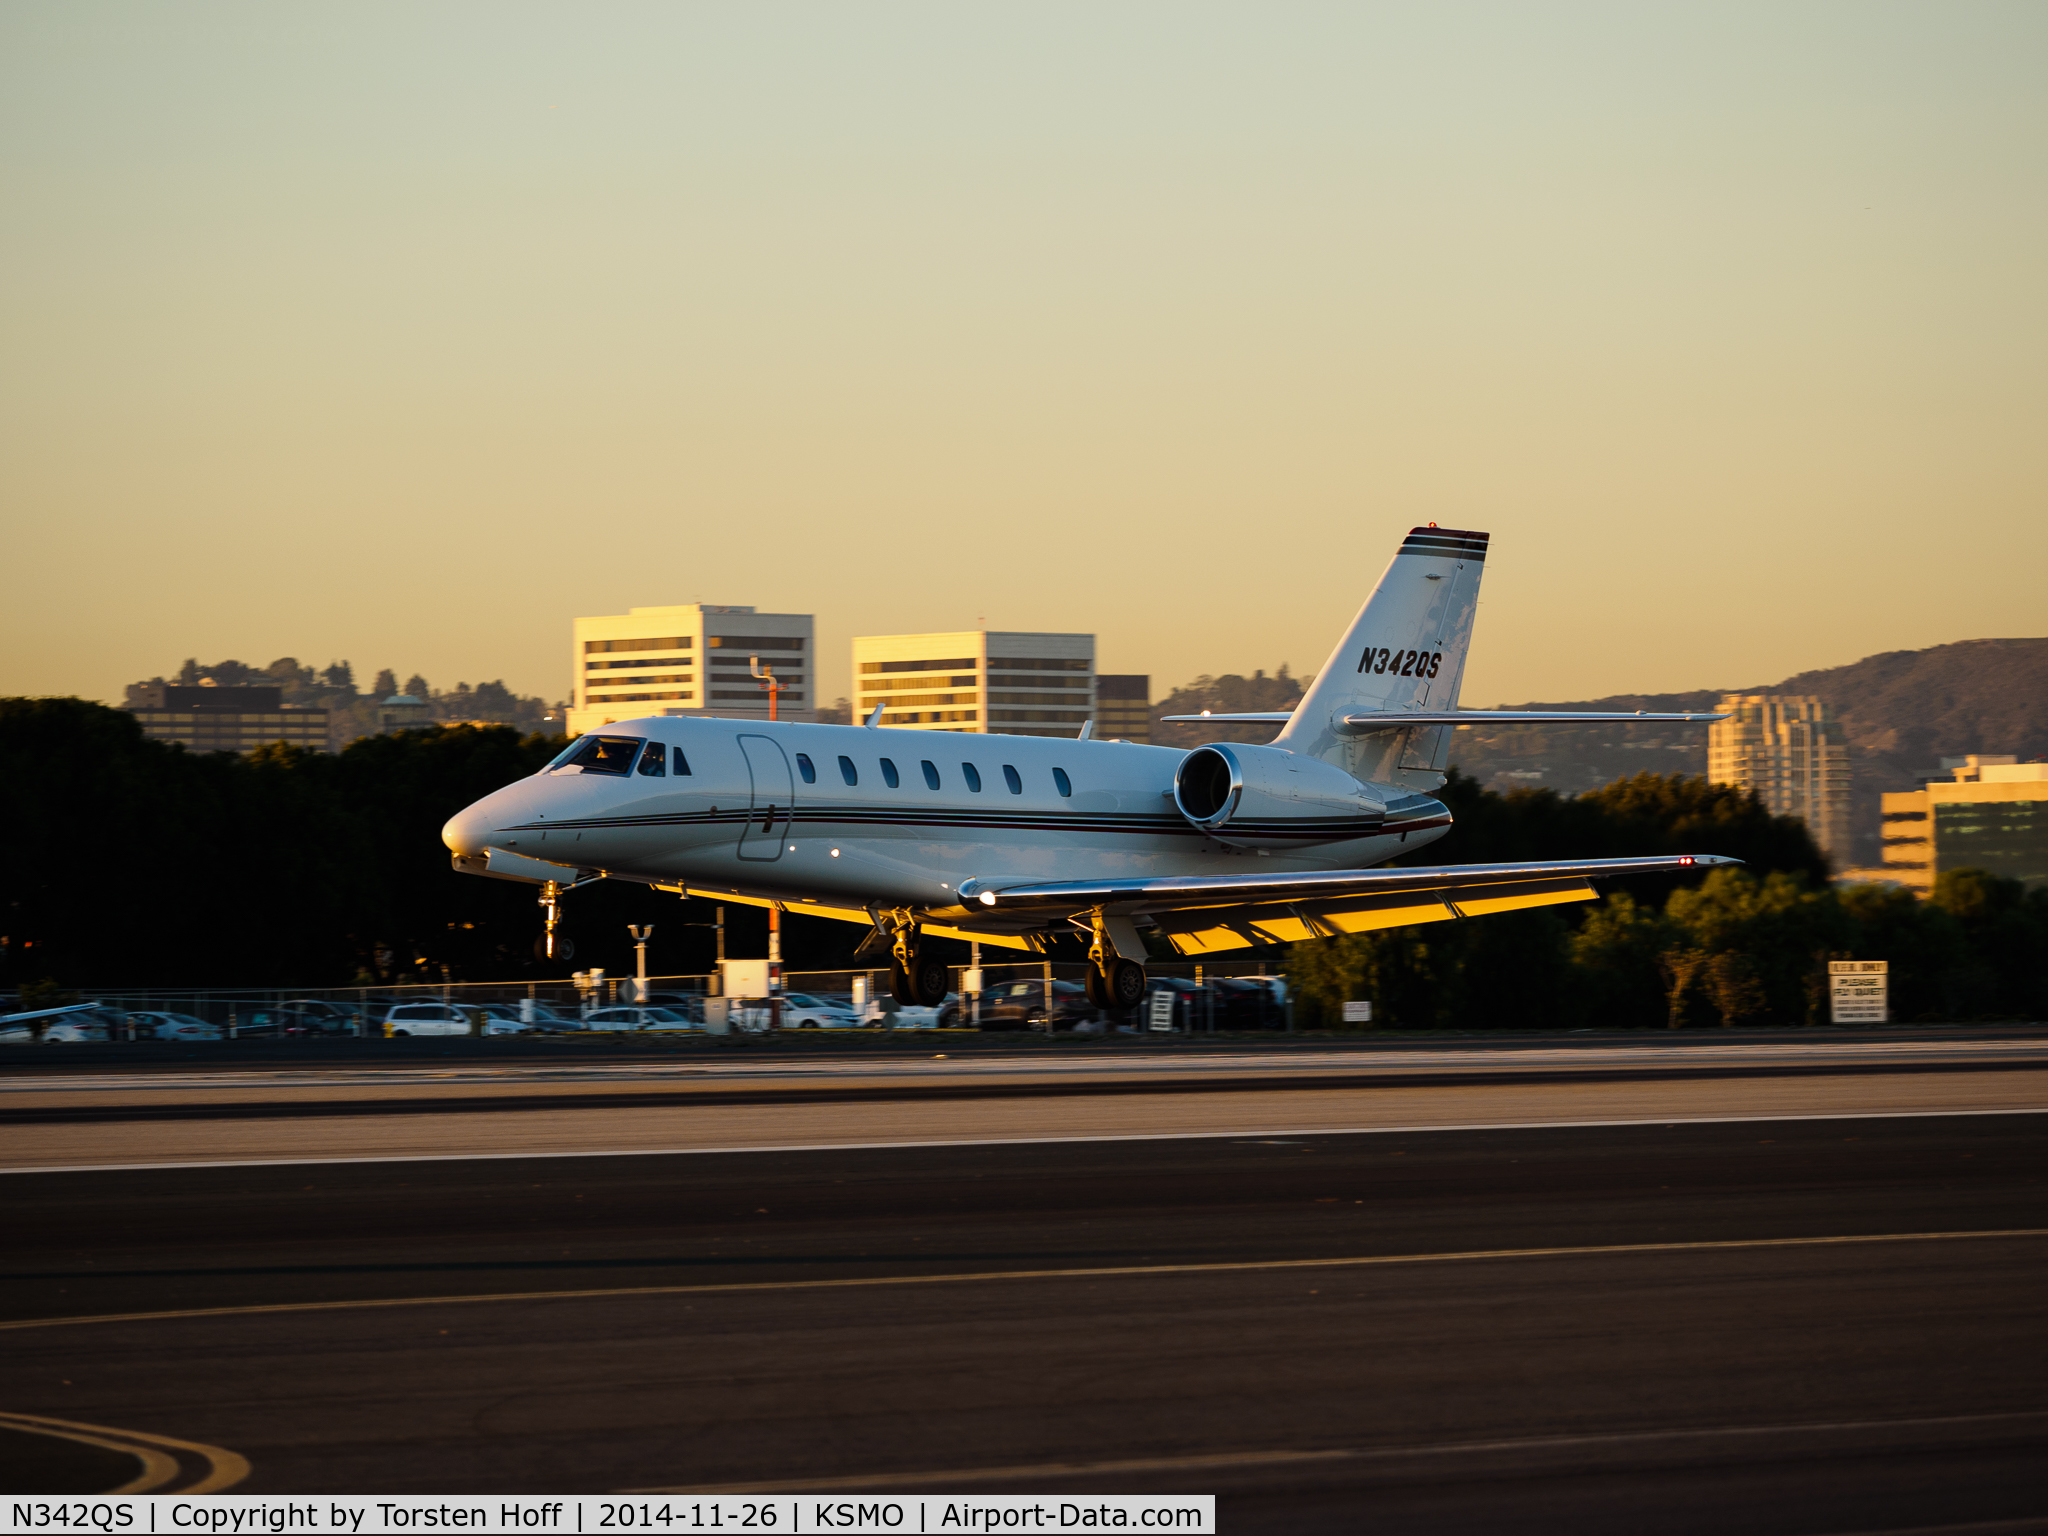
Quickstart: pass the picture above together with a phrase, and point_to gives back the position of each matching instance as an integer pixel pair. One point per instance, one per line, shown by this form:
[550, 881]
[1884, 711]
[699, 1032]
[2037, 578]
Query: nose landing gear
[553, 944]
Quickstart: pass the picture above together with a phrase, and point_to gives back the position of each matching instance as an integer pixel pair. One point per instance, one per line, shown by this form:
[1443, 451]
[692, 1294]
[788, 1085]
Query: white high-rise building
[1788, 749]
[692, 659]
[992, 682]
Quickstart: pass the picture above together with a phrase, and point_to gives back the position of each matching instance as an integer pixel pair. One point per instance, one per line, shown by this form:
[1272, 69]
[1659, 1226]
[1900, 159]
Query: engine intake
[1265, 794]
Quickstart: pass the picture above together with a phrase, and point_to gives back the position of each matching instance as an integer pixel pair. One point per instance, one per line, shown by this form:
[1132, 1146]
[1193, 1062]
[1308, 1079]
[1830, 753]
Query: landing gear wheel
[554, 946]
[1098, 988]
[1126, 984]
[932, 983]
[924, 985]
[901, 987]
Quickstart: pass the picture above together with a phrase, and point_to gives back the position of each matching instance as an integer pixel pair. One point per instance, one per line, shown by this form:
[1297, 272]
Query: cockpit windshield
[600, 754]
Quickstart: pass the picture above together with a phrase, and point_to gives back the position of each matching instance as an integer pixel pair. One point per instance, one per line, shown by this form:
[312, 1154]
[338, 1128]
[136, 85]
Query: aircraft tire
[901, 987]
[1098, 987]
[931, 979]
[1126, 984]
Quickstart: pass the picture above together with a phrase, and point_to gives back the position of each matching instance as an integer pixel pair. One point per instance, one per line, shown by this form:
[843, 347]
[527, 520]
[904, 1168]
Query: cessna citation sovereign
[1016, 840]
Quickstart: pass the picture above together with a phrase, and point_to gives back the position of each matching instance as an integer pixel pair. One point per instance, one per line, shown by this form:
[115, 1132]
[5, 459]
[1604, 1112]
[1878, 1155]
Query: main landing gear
[1113, 982]
[916, 981]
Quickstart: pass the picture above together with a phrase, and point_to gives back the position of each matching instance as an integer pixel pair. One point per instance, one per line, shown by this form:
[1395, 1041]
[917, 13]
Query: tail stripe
[1445, 541]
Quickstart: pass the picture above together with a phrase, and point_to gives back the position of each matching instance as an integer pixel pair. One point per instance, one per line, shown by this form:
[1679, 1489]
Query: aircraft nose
[468, 832]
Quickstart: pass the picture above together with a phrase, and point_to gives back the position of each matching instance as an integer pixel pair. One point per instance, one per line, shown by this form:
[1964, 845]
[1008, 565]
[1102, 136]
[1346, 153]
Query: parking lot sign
[1857, 991]
[1160, 1016]
[1358, 1013]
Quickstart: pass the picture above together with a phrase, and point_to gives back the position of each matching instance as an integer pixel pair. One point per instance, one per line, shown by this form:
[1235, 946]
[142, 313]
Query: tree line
[1748, 945]
[132, 863]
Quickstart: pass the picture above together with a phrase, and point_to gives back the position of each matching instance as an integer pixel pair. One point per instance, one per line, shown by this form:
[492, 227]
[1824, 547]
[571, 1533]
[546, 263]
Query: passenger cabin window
[1014, 779]
[847, 771]
[1061, 782]
[654, 760]
[889, 773]
[682, 765]
[931, 774]
[973, 776]
[604, 754]
[806, 767]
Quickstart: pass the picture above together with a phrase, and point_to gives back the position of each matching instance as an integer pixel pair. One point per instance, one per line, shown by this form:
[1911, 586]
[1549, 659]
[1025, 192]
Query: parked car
[154, 1024]
[806, 1010]
[689, 1004]
[946, 1015]
[637, 1018]
[442, 1019]
[329, 1018]
[1250, 1002]
[1021, 1005]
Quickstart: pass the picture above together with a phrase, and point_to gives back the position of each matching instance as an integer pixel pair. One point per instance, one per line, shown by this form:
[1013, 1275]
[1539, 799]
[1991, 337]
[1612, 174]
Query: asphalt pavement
[1788, 1325]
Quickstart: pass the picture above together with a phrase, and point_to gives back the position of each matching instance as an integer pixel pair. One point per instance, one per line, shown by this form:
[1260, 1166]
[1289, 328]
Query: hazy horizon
[408, 333]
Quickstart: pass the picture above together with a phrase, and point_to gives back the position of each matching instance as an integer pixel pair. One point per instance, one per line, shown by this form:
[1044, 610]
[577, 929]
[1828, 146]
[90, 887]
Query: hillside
[1903, 711]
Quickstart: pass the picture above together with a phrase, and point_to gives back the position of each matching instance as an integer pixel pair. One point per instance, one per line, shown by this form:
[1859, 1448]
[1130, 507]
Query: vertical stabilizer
[1405, 650]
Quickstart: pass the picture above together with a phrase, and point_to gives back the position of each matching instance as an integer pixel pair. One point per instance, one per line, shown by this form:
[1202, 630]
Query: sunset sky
[407, 332]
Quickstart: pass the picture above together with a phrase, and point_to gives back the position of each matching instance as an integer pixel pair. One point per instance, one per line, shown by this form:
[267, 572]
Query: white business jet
[1016, 840]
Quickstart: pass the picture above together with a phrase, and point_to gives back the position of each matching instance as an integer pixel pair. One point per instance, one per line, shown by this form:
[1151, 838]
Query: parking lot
[1038, 998]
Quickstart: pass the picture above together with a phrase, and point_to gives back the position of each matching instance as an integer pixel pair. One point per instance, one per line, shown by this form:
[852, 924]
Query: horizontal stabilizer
[1385, 719]
[1170, 893]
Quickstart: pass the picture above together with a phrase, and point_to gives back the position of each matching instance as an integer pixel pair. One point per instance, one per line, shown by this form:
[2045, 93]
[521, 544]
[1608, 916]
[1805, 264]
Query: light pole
[640, 937]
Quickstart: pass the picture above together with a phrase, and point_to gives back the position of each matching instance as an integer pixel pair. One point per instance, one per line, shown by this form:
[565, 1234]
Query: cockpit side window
[682, 765]
[603, 754]
[931, 774]
[806, 767]
[654, 761]
[973, 776]
[847, 771]
[889, 773]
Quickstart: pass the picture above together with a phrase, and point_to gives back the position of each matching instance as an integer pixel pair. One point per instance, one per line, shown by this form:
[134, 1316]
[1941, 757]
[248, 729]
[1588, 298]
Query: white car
[153, 1025]
[441, 1019]
[85, 1027]
[650, 1020]
[800, 1010]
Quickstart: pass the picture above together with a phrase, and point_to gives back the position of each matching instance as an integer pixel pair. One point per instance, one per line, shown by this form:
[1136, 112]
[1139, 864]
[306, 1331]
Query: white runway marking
[876, 1282]
[1239, 1134]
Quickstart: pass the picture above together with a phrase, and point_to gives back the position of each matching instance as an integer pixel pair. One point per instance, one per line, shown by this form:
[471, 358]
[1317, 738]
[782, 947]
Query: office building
[692, 659]
[1787, 749]
[991, 682]
[1992, 816]
[403, 712]
[1123, 706]
[210, 719]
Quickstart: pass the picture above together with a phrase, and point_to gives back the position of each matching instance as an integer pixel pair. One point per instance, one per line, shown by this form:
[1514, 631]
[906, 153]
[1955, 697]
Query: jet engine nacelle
[1240, 793]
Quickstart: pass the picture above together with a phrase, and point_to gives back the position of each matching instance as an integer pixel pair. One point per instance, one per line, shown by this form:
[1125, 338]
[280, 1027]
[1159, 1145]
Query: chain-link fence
[1023, 995]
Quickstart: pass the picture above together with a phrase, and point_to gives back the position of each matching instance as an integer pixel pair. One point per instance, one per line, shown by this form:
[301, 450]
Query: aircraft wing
[1380, 718]
[1393, 717]
[1168, 892]
[1200, 914]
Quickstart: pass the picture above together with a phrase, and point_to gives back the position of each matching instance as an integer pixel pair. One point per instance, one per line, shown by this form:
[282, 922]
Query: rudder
[1406, 649]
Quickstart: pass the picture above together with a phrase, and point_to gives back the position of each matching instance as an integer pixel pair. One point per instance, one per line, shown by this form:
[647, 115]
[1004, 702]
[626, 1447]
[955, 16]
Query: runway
[68, 1119]
[1795, 1325]
[1786, 1284]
